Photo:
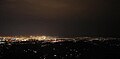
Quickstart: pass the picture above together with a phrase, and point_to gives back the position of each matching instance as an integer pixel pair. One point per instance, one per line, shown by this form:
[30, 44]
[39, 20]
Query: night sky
[60, 17]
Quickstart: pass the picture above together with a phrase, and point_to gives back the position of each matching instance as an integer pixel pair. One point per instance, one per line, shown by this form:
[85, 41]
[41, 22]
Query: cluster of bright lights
[22, 38]
[49, 38]
[42, 37]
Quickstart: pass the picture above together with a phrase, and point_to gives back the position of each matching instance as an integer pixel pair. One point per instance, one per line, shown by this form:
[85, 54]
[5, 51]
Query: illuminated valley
[47, 47]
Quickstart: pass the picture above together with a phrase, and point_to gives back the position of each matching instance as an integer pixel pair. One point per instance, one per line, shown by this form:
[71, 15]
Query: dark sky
[60, 17]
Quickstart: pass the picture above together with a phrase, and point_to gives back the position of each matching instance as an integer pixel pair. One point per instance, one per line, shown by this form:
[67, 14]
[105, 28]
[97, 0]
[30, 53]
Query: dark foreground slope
[108, 49]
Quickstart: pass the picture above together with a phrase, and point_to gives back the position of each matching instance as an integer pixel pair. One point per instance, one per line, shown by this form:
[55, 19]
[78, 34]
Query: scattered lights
[55, 55]
[44, 49]
[44, 58]
[70, 49]
[25, 51]
[35, 51]
[66, 55]
[71, 54]
[76, 51]
[54, 49]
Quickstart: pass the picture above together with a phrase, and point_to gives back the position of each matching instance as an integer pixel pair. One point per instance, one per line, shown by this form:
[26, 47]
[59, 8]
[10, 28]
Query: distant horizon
[63, 36]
